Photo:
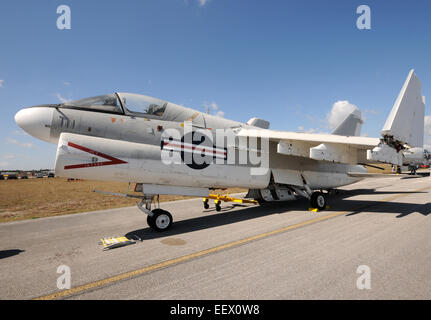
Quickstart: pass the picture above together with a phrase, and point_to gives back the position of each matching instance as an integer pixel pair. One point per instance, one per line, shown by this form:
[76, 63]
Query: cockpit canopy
[142, 105]
[135, 104]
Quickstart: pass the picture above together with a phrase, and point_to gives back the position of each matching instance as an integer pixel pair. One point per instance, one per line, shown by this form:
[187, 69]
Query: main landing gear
[158, 219]
[318, 200]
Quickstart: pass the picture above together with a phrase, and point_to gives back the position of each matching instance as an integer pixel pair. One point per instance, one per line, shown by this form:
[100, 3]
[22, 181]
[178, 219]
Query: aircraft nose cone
[36, 121]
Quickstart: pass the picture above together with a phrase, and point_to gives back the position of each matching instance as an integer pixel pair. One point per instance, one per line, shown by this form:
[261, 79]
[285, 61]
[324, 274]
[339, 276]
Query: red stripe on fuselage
[195, 148]
[94, 164]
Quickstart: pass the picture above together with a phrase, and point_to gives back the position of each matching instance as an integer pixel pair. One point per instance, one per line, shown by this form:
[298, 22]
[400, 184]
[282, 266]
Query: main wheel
[161, 220]
[318, 200]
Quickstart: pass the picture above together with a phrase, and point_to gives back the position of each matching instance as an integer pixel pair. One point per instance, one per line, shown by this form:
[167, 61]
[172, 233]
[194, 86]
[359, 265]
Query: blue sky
[284, 61]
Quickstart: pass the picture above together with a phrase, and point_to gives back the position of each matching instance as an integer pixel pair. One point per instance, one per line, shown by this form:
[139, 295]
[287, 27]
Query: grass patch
[38, 198]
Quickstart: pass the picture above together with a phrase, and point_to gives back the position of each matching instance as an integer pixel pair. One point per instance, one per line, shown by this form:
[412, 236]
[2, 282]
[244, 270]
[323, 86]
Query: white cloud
[8, 156]
[4, 164]
[18, 143]
[339, 112]
[214, 106]
[1, 83]
[371, 111]
[20, 133]
[202, 2]
[303, 130]
[427, 125]
[427, 143]
[63, 100]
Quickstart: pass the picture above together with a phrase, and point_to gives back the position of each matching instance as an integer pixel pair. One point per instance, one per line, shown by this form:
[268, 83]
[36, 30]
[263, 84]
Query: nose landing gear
[160, 220]
[157, 219]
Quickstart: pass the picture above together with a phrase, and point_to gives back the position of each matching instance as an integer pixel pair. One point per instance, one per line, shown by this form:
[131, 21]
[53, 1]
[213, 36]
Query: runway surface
[278, 251]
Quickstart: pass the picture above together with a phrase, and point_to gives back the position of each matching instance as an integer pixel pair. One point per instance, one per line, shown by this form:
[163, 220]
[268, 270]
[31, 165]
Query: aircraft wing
[311, 138]
[329, 147]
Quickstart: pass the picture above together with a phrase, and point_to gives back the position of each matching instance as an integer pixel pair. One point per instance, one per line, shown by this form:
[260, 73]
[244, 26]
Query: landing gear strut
[157, 219]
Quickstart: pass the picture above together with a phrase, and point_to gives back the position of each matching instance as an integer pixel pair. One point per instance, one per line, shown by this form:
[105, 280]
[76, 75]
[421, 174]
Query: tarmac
[274, 251]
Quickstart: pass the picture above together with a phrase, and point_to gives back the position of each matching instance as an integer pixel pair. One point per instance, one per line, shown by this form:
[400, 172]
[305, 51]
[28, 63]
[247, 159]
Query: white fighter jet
[413, 158]
[165, 148]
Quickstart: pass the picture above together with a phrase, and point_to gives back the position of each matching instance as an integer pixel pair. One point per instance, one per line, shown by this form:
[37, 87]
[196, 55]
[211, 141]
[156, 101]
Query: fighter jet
[165, 148]
[414, 158]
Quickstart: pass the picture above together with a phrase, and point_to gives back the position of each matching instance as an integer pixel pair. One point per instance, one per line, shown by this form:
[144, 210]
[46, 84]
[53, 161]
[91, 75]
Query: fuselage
[140, 132]
[416, 157]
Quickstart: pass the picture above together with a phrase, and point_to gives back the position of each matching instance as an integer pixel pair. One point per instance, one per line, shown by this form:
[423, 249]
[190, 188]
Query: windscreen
[107, 103]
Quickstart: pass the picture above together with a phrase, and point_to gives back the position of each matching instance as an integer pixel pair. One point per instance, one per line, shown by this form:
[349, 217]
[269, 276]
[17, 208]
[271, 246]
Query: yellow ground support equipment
[218, 198]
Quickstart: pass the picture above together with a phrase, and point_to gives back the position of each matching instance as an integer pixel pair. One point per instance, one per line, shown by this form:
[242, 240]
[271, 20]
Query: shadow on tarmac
[337, 202]
[9, 253]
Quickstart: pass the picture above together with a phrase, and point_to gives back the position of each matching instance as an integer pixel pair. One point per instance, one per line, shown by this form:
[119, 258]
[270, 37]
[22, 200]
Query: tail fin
[405, 124]
[351, 125]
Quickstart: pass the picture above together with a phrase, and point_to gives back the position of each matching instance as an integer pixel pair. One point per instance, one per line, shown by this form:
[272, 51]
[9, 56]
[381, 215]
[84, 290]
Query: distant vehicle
[39, 175]
[51, 175]
[1, 177]
[24, 177]
[12, 176]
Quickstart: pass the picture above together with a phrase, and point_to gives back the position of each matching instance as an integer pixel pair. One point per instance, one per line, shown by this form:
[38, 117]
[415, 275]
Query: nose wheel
[160, 220]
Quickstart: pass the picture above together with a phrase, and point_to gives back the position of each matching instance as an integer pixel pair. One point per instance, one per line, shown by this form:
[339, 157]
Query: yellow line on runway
[130, 274]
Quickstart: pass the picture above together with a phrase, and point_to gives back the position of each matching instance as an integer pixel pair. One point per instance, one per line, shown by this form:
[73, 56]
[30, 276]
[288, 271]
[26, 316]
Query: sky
[289, 62]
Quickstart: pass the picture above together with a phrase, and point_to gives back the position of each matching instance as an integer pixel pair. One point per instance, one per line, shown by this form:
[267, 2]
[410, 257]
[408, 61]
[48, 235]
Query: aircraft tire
[150, 222]
[160, 221]
[261, 202]
[318, 200]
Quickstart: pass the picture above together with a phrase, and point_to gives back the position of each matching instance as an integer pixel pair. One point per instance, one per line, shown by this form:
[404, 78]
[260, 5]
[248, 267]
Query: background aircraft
[169, 149]
[413, 158]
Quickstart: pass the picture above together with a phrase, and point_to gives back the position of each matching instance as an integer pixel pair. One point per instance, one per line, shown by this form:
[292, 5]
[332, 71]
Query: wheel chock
[317, 210]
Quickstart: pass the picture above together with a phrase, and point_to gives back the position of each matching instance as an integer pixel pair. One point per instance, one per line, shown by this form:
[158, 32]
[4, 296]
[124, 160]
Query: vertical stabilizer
[405, 124]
